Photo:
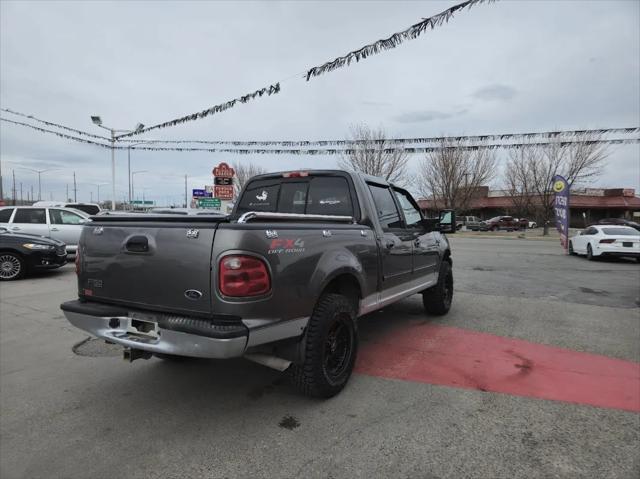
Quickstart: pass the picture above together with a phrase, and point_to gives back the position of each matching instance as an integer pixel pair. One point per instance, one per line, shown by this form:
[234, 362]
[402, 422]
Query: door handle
[15, 228]
[55, 229]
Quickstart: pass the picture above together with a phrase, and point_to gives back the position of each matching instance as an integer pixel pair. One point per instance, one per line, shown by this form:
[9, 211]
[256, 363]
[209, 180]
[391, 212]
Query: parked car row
[507, 223]
[22, 253]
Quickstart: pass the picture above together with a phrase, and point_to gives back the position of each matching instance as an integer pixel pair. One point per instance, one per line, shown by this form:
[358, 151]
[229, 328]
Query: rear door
[65, 225]
[425, 243]
[149, 265]
[31, 221]
[396, 249]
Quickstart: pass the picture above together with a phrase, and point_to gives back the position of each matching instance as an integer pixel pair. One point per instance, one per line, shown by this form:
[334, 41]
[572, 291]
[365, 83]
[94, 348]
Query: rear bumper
[621, 254]
[180, 336]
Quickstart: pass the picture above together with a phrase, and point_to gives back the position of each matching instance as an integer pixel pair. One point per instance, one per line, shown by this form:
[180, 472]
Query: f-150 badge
[193, 233]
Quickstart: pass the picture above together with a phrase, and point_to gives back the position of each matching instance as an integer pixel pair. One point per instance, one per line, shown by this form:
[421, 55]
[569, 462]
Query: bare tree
[453, 173]
[374, 155]
[518, 180]
[244, 172]
[531, 170]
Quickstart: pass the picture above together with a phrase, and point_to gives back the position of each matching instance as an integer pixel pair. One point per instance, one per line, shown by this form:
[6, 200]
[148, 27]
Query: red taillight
[241, 276]
[607, 241]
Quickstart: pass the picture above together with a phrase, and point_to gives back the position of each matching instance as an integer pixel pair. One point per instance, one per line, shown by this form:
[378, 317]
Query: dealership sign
[223, 180]
[224, 170]
[561, 208]
[223, 192]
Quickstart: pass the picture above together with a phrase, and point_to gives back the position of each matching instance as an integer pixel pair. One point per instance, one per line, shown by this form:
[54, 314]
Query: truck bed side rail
[260, 215]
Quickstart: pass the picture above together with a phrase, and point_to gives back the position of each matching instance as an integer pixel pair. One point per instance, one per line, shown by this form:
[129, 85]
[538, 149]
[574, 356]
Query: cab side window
[5, 215]
[62, 217]
[386, 209]
[30, 216]
[412, 215]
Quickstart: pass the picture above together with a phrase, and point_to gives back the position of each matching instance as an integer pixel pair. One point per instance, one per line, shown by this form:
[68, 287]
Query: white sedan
[606, 240]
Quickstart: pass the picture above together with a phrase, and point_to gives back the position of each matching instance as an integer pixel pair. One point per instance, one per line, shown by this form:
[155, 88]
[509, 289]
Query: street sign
[223, 180]
[224, 169]
[223, 192]
[209, 203]
[199, 193]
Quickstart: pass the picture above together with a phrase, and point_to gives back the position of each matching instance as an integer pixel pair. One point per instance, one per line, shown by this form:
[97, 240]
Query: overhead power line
[57, 133]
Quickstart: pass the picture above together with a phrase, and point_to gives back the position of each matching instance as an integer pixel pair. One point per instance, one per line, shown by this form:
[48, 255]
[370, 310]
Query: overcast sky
[510, 66]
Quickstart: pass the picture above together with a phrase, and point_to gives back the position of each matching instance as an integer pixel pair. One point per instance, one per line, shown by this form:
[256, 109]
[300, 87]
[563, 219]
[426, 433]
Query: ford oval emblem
[193, 294]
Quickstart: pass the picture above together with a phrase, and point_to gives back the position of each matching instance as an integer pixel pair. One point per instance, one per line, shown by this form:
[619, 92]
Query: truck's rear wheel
[437, 299]
[330, 346]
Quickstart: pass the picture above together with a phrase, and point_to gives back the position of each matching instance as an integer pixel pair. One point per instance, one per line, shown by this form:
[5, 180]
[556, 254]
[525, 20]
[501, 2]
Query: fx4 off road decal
[284, 245]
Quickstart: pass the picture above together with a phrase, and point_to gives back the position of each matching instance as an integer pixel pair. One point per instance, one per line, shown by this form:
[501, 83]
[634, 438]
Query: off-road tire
[312, 374]
[590, 256]
[437, 299]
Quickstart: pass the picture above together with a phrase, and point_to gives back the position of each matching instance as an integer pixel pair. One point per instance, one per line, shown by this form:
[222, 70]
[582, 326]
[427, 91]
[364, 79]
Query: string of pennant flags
[403, 141]
[270, 90]
[346, 151]
[552, 134]
[411, 33]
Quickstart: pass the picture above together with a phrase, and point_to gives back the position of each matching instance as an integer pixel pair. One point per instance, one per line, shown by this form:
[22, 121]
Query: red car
[508, 223]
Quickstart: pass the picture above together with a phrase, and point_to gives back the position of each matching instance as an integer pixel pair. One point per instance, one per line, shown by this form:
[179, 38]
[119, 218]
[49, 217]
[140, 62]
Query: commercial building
[587, 205]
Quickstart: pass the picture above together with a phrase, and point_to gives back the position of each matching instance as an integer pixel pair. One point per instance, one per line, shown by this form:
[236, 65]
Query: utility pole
[14, 186]
[91, 196]
[186, 205]
[75, 189]
[31, 194]
[21, 198]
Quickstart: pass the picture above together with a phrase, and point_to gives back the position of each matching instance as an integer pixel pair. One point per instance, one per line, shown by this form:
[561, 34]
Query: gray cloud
[427, 115]
[495, 92]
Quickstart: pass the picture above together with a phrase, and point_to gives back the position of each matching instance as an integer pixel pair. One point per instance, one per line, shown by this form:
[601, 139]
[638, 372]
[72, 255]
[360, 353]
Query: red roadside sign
[224, 170]
[223, 192]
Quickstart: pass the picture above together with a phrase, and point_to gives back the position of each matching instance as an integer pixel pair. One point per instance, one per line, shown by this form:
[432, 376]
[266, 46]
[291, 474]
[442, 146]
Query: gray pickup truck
[280, 281]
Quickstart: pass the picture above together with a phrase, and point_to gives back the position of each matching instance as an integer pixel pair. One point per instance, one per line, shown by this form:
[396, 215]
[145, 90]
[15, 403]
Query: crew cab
[280, 281]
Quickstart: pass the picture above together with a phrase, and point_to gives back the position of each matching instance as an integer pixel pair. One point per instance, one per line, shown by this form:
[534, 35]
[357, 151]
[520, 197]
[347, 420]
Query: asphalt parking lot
[535, 372]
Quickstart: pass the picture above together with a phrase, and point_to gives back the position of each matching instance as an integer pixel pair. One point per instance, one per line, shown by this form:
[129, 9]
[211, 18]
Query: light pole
[98, 121]
[132, 175]
[129, 168]
[98, 185]
[39, 182]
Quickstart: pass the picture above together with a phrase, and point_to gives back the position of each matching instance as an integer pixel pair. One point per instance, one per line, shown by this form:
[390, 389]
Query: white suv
[63, 224]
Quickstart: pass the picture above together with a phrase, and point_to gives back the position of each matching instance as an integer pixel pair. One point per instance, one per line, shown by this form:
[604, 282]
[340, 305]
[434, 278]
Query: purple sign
[561, 208]
[197, 193]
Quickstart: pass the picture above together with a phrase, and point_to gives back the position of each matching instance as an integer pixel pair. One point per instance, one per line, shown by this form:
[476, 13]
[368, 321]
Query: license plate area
[144, 327]
[627, 244]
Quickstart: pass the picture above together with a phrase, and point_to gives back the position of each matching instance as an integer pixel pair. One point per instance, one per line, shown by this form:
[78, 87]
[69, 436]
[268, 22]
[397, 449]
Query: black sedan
[22, 253]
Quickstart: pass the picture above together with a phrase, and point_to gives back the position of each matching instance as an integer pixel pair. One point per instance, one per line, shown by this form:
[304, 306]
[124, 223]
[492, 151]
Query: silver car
[63, 224]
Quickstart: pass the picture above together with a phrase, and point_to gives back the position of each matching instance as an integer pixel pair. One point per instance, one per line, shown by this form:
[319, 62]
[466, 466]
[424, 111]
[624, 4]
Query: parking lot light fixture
[98, 121]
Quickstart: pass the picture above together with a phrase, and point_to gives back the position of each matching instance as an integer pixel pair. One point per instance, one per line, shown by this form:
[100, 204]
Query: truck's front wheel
[437, 299]
[330, 345]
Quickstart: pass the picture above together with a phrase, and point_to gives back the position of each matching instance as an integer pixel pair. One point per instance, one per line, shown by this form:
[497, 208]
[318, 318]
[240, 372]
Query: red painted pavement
[468, 359]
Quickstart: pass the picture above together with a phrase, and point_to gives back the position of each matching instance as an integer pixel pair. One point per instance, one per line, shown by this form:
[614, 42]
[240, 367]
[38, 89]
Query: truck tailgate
[155, 266]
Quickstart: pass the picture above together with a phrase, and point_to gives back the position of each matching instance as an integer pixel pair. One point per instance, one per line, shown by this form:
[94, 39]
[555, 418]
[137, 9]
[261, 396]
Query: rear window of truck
[319, 195]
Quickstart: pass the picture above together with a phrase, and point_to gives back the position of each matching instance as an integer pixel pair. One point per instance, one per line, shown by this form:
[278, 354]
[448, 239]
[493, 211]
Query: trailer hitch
[133, 354]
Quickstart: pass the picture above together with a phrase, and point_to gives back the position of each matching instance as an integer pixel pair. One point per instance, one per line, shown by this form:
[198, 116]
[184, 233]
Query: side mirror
[447, 221]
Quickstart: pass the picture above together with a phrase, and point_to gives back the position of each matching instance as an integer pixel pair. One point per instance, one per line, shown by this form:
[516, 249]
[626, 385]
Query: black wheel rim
[338, 347]
[9, 266]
